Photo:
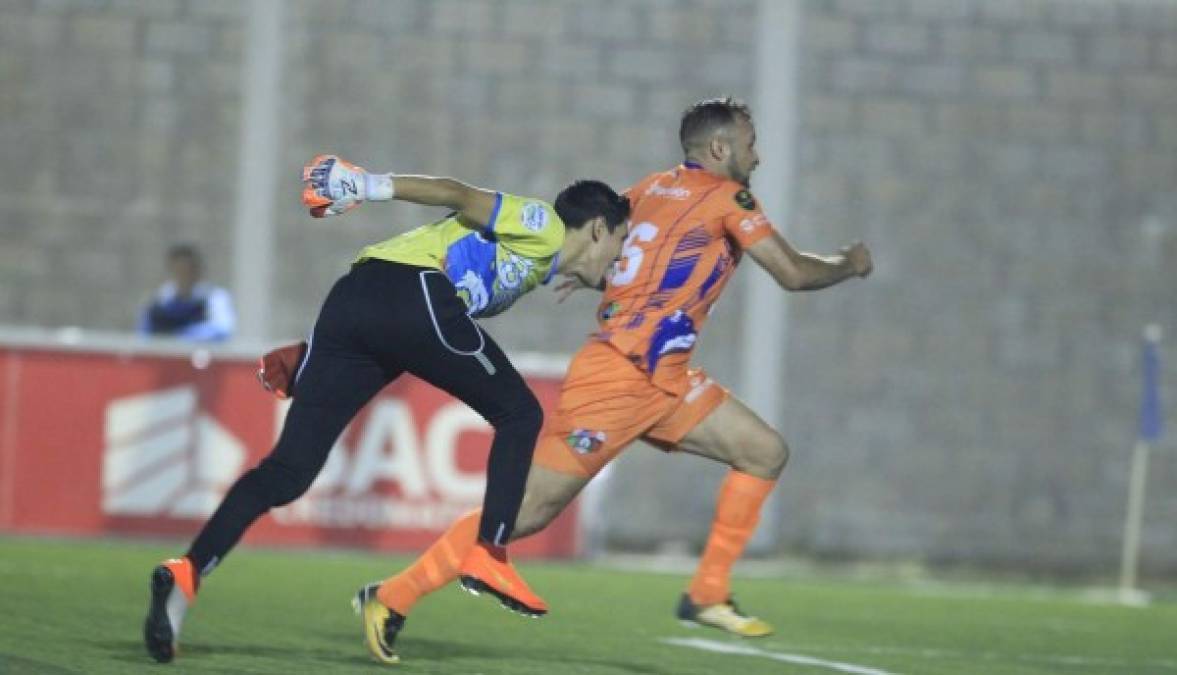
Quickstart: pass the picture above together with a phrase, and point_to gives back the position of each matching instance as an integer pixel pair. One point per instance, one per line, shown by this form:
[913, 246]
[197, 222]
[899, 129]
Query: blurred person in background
[186, 306]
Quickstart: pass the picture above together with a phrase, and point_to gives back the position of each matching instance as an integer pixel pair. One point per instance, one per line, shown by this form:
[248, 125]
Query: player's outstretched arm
[334, 186]
[800, 271]
[475, 205]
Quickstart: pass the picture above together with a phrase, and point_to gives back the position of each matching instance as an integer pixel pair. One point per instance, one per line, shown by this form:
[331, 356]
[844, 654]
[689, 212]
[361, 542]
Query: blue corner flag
[1151, 415]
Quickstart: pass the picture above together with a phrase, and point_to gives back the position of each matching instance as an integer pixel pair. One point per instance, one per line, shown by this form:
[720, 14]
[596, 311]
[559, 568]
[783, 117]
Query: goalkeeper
[408, 305]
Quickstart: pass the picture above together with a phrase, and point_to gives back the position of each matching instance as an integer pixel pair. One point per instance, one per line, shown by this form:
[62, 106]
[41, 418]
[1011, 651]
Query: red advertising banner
[95, 442]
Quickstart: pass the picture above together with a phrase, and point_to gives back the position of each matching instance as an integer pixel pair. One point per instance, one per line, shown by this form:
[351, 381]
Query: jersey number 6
[632, 253]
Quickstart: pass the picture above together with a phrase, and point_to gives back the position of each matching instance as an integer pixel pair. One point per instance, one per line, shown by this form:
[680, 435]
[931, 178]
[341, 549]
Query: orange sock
[436, 567]
[736, 515]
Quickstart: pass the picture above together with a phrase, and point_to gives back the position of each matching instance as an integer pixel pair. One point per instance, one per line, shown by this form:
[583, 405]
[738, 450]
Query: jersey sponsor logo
[745, 200]
[583, 441]
[534, 216]
[163, 456]
[470, 265]
[513, 271]
[676, 193]
[473, 292]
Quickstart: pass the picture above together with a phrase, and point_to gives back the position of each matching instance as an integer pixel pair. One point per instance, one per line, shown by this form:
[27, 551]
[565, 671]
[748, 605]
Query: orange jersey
[688, 228]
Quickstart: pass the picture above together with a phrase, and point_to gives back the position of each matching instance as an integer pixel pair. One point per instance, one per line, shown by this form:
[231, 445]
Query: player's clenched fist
[334, 186]
[858, 255]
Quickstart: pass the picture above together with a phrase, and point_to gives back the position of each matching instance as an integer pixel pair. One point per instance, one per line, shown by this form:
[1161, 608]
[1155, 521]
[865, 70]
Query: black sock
[506, 474]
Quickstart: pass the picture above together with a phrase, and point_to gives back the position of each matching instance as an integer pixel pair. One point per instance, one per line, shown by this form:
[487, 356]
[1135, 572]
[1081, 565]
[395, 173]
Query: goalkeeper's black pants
[381, 320]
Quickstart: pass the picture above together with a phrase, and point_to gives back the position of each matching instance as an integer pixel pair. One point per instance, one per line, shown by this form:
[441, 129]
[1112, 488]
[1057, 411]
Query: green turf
[78, 607]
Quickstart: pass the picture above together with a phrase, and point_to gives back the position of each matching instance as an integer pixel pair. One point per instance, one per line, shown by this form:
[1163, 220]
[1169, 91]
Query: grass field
[77, 607]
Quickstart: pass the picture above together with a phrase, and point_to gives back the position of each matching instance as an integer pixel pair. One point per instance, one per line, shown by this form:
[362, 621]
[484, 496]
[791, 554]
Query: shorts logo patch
[584, 441]
[534, 216]
[745, 200]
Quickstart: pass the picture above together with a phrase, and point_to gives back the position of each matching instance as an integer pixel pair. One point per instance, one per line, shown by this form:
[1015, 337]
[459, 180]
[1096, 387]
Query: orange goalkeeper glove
[334, 186]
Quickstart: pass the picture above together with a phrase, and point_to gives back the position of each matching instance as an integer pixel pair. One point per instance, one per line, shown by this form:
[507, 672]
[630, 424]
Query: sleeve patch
[534, 216]
[745, 200]
[749, 225]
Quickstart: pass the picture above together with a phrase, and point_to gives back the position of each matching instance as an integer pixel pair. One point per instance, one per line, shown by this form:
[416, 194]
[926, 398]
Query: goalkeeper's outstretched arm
[334, 186]
[474, 204]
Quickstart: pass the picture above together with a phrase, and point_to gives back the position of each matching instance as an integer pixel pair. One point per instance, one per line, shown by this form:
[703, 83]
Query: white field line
[798, 659]
[938, 653]
[807, 575]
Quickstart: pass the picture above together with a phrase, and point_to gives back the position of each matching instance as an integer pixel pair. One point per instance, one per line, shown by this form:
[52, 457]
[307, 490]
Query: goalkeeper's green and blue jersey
[492, 267]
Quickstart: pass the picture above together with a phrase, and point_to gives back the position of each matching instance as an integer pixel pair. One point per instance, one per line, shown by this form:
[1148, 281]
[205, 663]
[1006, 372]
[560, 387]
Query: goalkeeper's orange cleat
[173, 589]
[278, 368]
[487, 569]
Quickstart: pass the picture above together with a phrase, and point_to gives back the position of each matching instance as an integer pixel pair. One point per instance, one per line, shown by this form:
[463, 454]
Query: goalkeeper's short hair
[586, 199]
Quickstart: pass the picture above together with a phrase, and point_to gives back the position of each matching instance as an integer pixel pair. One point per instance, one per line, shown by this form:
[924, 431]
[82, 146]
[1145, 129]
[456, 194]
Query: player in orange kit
[689, 228]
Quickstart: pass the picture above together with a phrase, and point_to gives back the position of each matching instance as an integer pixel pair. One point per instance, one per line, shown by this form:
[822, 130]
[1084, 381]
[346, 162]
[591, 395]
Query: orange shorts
[606, 403]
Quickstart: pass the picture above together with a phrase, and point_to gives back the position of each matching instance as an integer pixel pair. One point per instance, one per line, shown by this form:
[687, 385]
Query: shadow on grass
[133, 651]
[425, 650]
[420, 651]
[16, 665]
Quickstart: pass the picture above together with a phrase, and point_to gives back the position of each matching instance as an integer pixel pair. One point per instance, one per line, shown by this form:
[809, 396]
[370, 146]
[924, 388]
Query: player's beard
[737, 174]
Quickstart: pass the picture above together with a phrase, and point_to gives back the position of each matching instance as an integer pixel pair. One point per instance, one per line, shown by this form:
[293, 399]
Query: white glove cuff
[378, 187]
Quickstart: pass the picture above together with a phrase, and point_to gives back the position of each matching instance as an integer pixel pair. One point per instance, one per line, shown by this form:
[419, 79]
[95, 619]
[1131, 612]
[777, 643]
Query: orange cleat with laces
[487, 570]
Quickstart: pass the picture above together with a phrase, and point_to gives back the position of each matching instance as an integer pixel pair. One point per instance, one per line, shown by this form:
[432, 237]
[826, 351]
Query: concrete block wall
[119, 123]
[518, 96]
[1011, 162]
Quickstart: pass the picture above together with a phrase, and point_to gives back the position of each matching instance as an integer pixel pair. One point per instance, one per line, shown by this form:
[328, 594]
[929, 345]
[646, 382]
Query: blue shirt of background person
[186, 307]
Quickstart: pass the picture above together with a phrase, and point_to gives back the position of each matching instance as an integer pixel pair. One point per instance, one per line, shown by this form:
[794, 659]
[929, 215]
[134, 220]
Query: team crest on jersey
[745, 200]
[584, 441]
[535, 216]
[610, 310]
